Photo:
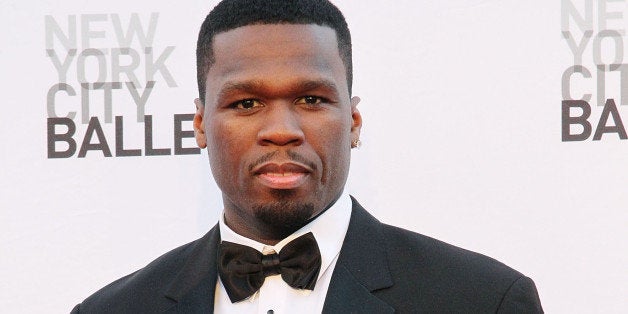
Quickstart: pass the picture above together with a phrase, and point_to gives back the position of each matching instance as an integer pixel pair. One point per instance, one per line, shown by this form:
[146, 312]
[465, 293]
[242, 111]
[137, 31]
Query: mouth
[282, 176]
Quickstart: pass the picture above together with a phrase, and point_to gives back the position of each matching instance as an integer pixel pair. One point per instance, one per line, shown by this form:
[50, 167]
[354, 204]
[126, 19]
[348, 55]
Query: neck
[271, 223]
[273, 226]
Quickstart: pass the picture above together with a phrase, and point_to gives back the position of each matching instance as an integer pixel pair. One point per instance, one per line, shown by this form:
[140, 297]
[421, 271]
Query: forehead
[276, 52]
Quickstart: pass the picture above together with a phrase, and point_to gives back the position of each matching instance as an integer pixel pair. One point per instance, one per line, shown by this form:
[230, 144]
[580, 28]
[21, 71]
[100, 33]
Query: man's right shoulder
[146, 286]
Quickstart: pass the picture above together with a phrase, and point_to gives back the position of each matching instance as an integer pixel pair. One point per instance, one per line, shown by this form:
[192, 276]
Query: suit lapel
[362, 268]
[194, 287]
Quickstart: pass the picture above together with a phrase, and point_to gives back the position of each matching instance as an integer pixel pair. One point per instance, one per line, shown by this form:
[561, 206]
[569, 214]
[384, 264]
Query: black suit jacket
[381, 269]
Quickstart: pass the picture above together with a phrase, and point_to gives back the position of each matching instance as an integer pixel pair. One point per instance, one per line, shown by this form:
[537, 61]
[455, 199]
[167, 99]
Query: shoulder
[145, 287]
[436, 255]
[428, 275]
[420, 255]
[449, 277]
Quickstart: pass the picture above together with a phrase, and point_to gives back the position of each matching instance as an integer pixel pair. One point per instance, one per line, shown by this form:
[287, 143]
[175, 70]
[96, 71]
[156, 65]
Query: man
[276, 115]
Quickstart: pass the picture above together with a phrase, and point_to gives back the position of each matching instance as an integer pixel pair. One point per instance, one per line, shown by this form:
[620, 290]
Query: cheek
[226, 146]
[334, 134]
[333, 145]
[215, 132]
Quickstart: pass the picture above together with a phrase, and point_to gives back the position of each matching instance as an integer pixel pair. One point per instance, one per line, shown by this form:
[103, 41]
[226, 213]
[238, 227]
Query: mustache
[292, 156]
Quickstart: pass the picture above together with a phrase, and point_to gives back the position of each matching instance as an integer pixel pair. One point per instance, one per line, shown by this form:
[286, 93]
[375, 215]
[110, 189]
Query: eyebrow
[256, 86]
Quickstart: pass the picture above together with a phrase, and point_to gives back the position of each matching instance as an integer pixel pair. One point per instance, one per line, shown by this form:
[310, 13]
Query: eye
[246, 104]
[310, 101]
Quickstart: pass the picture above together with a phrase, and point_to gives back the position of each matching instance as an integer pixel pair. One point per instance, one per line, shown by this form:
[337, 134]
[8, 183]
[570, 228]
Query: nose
[281, 126]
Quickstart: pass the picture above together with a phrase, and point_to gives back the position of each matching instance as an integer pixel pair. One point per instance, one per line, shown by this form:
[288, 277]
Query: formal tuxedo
[380, 269]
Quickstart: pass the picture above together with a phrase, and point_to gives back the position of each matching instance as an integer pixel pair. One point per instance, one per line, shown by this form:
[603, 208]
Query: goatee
[284, 216]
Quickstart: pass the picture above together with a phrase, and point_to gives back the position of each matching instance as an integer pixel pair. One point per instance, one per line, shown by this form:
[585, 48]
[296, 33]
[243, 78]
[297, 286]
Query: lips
[282, 176]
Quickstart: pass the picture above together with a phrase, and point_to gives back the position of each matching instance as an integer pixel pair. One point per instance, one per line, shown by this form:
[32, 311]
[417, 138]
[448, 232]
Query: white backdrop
[461, 101]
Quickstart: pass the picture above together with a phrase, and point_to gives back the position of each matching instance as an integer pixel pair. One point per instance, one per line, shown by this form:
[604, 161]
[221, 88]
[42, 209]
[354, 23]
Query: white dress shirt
[276, 296]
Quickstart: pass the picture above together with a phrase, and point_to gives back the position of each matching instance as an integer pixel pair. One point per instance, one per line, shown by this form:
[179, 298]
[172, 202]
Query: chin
[285, 215]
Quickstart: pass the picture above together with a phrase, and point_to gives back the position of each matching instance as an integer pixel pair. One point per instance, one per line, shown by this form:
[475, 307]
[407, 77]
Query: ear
[199, 126]
[356, 118]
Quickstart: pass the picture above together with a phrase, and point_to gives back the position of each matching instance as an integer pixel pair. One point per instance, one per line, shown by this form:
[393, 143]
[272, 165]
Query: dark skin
[278, 123]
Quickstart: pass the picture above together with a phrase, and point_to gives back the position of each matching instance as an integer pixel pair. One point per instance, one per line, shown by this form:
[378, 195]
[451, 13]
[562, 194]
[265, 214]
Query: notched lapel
[194, 287]
[362, 268]
[347, 295]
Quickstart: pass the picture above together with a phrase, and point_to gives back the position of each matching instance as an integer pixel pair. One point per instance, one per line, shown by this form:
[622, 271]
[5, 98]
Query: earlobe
[199, 126]
[356, 119]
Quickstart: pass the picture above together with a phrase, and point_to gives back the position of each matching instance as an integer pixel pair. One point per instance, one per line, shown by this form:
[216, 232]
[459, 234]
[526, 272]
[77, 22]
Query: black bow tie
[243, 269]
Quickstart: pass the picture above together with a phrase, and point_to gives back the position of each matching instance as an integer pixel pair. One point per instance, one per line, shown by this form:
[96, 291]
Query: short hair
[231, 14]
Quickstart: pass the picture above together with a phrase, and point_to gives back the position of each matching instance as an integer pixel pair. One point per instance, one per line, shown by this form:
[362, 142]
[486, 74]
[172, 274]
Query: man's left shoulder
[450, 275]
[415, 248]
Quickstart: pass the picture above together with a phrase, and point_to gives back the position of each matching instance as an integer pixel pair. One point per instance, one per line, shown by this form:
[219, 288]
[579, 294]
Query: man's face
[278, 123]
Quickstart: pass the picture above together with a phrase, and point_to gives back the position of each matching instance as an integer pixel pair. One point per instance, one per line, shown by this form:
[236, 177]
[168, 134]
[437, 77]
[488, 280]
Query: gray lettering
[566, 86]
[120, 151]
[140, 101]
[87, 34]
[99, 55]
[159, 65]
[601, 83]
[604, 15]
[610, 109]
[101, 144]
[569, 10]
[619, 48]
[148, 139]
[623, 70]
[66, 137]
[129, 69]
[51, 99]
[85, 102]
[135, 29]
[577, 49]
[53, 30]
[62, 68]
[107, 87]
[180, 134]
[568, 120]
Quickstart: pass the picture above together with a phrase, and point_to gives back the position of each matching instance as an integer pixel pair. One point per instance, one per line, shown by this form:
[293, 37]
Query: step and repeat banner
[497, 126]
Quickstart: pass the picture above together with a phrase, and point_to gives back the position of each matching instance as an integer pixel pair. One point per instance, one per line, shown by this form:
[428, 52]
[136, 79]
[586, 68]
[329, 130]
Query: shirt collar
[329, 229]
